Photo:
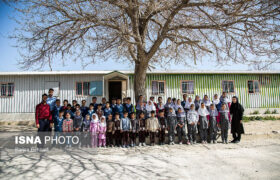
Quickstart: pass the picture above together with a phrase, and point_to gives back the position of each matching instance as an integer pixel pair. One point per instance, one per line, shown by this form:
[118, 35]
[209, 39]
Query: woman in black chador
[236, 110]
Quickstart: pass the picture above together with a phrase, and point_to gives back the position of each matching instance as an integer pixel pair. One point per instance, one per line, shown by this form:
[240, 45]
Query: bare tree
[148, 32]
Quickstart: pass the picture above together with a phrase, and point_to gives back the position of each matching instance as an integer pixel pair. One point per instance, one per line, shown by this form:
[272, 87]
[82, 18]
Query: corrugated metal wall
[210, 84]
[29, 89]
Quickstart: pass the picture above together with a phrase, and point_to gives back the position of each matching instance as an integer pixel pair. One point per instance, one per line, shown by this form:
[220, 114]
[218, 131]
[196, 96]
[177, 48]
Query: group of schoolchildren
[120, 123]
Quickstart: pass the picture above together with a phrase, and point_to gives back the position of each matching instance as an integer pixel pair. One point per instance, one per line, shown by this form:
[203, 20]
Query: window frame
[233, 86]
[158, 87]
[181, 86]
[76, 87]
[254, 87]
[13, 93]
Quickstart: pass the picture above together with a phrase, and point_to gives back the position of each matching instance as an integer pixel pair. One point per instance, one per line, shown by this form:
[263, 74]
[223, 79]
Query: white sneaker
[180, 143]
[144, 144]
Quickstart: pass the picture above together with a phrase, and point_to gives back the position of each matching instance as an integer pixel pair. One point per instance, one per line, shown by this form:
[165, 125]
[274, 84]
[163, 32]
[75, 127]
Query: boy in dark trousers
[56, 109]
[91, 111]
[84, 108]
[58, 122]
[134, 129]
[110, 131]
[107, 110]
[113, 106]
[73, 108]
[125, 129]
[163, 127]
[85, 129]
[94, 102]
[128, 106]
[103, 103]
[118, 134]
[119, 108]
[78, 121]
[142, 129]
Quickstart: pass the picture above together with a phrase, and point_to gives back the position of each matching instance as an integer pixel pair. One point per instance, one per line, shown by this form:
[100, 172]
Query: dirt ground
[256, 157]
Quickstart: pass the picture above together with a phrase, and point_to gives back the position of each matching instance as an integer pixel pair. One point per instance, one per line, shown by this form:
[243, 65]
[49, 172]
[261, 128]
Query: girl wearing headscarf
[192, 118]
[171, 125]
[173, 103]
[181, 129]
[149, 108]
[203, 122]
[140, 103]
[197, 102]
[141, 108]
[216, 102]
[178, 106]
[213, 113]
[94, 130]
[159, 107]
[168, 105]
[102, 132]
[224, 123]
[188, 104]
[206, 102]
[236, 110]
[224, 100]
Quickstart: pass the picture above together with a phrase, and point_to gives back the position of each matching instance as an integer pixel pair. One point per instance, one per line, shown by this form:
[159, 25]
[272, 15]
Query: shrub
[255, 112]
[267, 112]
[274, 111]
[258, 118]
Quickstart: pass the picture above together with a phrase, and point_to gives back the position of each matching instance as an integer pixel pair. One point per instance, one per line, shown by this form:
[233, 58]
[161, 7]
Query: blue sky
[10, 55]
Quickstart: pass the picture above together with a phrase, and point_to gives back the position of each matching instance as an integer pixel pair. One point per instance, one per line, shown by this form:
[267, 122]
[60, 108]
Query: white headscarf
[203, 111]
[150, 107]
[213, 112]
[94, 120]
[188, 104]
[206, 102]
[216, 101]
[103, 124]
[177, 106]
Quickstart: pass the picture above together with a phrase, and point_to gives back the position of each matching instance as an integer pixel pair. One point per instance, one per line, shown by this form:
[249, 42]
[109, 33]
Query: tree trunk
[140, 80]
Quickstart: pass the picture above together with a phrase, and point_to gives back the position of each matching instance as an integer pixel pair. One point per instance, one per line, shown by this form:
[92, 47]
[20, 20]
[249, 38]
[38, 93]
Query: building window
[7, 89]
[253, 86]
[228, 86]
[96, 88]
[187, 87]
[93, 88]
[158, 87]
